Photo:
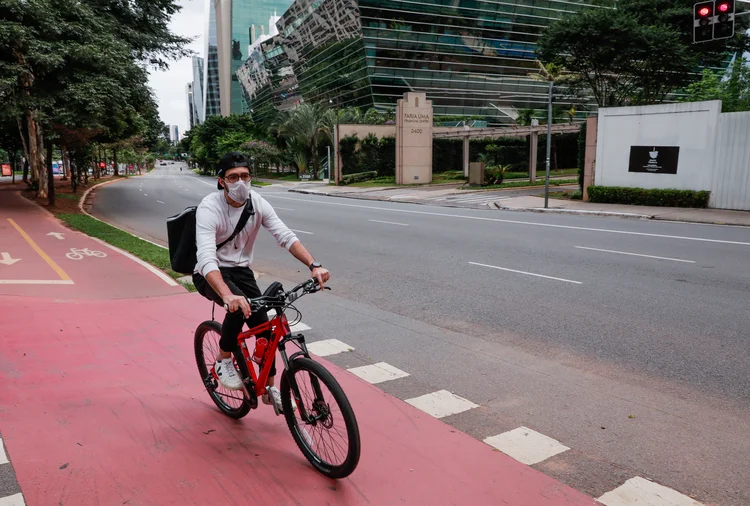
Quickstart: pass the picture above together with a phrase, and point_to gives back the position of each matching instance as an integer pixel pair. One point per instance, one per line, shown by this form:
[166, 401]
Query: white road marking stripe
[442, 403]
[636, 254]
[13, 500]
[378, 373]
[640, 491]
[300, 327]
[526, 446]
[390, 223]
[527, 273]
[145, 194]
[517, 222]
[3, 456]
[154, 270]
[160, 202]
[36, 282]
[328, 347]
[284, 208]
[301, 231]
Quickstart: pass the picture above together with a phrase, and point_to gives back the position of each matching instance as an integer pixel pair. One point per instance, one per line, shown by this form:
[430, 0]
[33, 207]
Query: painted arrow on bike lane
[76, 267]
[109, 409]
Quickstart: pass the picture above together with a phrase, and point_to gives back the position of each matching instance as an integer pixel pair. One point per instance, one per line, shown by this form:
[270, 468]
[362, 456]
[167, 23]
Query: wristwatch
[315, 265]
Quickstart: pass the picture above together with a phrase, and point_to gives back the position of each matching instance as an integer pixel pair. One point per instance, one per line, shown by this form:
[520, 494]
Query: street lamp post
[549, 144]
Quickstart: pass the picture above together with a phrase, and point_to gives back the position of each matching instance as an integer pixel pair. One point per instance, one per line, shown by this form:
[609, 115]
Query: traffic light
[724, 23]
[703, 17]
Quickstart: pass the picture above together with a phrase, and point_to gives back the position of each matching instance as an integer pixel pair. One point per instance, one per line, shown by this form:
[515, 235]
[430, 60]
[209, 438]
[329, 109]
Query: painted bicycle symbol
[79, 253]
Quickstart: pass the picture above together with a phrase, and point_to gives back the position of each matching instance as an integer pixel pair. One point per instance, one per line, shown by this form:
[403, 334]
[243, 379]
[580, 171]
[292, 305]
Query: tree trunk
[12, 157]
[64, 152]
[41, 167]
[114, 160]
[26, 170]
[50, 177]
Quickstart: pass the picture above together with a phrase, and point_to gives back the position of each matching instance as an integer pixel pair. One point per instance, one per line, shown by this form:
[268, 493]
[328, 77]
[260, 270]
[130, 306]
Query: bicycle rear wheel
[232, 403]
[311, 433]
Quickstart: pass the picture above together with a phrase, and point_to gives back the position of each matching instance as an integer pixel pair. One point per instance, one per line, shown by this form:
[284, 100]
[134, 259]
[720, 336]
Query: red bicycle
[308, 412]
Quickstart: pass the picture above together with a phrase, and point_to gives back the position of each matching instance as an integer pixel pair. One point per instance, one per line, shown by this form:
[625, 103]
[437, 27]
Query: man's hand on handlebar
[322, 275]
[234, 302]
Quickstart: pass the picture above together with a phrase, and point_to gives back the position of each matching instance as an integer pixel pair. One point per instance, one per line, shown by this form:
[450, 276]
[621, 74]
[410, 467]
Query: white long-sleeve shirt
[215, 222]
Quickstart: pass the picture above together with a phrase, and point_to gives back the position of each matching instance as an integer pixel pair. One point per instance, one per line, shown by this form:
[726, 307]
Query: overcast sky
[169, 85]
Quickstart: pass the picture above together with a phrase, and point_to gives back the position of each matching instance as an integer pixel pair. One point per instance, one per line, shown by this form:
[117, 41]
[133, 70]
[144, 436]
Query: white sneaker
[273, 397]
[227, 374]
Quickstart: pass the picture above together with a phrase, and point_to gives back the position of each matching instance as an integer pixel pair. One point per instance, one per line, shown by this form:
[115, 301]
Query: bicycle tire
[352, 429]
[200, 333]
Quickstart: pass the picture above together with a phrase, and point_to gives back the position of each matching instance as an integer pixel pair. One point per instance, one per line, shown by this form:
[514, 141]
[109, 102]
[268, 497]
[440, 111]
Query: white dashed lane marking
[328, 347]
[3, 456]
[378, 373]
[299, 327]
[526, 446]
[442, 403]
[13, 500]
[642, 492]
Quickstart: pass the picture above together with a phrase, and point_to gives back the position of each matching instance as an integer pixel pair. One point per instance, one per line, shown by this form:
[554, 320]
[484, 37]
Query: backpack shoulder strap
[247, 211]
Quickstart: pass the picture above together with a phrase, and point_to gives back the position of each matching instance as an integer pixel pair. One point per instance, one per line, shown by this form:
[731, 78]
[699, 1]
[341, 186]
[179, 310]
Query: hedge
[644, 197]
[359, 177]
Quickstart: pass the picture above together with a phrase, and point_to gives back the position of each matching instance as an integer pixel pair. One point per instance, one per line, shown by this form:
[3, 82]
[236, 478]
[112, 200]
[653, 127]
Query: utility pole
[549, 144]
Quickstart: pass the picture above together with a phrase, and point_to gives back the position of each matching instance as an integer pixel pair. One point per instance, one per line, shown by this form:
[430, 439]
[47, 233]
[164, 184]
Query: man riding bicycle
[224, 276]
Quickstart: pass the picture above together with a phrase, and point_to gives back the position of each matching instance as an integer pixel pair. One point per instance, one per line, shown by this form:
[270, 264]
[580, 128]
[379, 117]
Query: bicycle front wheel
[331, 448]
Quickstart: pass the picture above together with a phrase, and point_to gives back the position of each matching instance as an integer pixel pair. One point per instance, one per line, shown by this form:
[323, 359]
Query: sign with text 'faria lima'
[654, 159]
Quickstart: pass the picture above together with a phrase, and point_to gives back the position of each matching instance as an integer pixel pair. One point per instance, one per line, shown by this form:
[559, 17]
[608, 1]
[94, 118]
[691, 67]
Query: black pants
[241, 281]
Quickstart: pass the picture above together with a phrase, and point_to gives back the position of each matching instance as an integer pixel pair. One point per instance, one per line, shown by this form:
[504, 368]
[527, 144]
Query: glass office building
[471, 57]
[246, 14]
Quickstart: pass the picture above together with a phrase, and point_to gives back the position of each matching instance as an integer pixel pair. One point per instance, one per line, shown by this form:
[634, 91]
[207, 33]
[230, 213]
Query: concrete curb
[579, 212]
[83, 199]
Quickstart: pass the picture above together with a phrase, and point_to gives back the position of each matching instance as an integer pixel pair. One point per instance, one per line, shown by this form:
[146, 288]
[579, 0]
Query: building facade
[472, 57]
[197, 90]
[233, 25]
[190, 103]
[174, 134]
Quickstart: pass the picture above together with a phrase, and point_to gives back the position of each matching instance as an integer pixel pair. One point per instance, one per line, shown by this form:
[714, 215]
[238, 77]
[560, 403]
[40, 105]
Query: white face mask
[239, 191]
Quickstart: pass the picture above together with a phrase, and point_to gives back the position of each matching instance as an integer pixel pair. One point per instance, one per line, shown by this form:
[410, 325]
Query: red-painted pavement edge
[103, 404]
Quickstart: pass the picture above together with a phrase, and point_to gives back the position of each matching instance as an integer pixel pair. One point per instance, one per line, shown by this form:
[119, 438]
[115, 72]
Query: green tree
[731, 87]
[622, 60]
[308, 125]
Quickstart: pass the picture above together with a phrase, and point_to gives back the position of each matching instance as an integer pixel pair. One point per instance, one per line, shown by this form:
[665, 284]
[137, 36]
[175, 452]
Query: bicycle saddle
[274, 290]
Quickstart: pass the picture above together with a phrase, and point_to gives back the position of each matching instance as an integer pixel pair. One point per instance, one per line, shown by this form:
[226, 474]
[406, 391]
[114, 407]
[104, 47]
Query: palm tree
[307, 124]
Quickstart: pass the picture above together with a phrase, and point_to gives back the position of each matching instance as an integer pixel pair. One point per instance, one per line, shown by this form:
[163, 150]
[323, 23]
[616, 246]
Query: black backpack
[183, 252]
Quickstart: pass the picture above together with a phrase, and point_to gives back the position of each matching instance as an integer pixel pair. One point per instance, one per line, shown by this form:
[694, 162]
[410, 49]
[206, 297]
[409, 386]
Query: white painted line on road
[151, 268]
[284, 208]
[516, 222]
[301, 231]
[299, 327]
[642, 492]
[636, 254]
[160, 202]
[527, 273]
[36, 282]
[3, 456]
[13, 500]
[328, 347]
[526, 446]
[390, 223]
[442, 403]
[145, 194]
[378, 373]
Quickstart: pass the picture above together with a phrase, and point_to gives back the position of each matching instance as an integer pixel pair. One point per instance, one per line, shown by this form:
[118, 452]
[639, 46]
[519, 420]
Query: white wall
[691, 125]
[731, 181]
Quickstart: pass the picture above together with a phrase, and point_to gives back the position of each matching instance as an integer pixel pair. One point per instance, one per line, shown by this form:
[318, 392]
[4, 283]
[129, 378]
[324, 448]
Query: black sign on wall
[655, 159]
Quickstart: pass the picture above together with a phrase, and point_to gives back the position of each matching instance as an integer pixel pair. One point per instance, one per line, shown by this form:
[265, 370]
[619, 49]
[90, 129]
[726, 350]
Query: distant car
[163, 163]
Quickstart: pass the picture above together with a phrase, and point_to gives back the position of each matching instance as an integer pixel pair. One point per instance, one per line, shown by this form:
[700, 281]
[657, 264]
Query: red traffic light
[705, 11]
[723, 7]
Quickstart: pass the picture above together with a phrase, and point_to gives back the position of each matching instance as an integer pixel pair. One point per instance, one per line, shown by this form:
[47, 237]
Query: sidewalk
[108, 408]
[712, 216]
[429, 195]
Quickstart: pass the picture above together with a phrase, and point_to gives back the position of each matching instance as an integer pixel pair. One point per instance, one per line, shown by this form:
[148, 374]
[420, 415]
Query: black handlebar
[281, 301]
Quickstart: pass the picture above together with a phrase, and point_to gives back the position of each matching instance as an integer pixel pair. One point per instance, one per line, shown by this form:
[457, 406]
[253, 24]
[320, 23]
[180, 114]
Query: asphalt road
[628, 341]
